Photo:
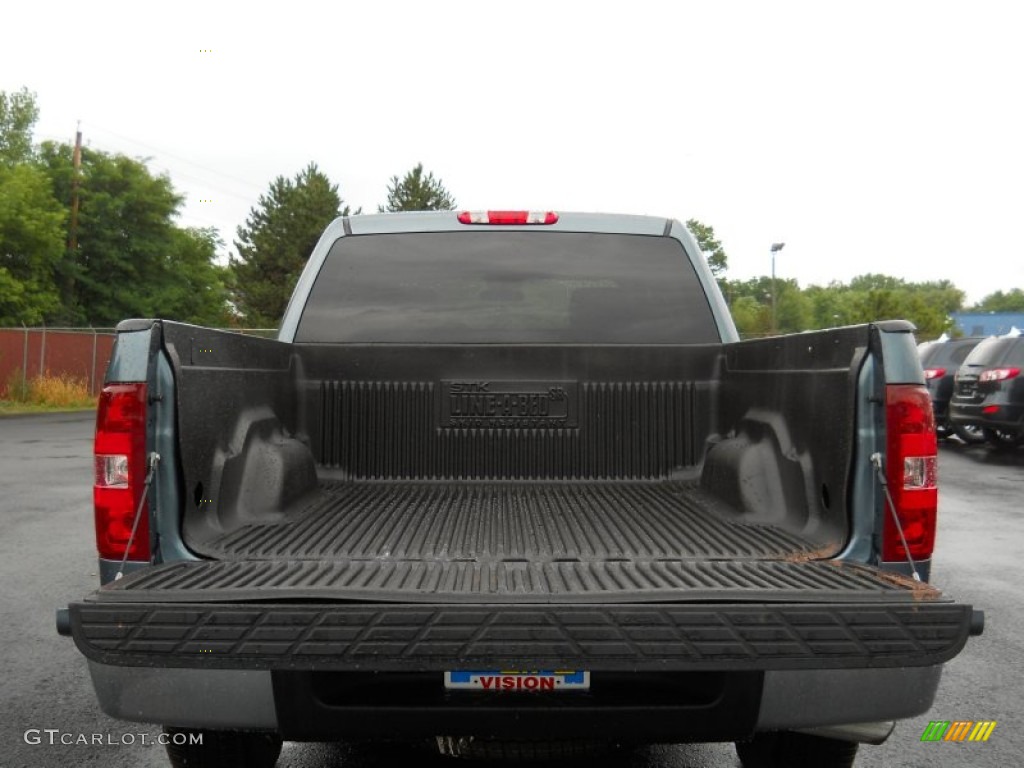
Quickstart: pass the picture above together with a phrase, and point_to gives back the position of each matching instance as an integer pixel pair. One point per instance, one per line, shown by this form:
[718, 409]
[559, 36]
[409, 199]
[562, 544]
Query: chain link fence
[82, 353]
[26, 353]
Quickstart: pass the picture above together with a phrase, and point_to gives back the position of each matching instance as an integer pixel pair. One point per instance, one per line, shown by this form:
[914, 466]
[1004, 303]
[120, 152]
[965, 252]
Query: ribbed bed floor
[506, 522]
[513, 582]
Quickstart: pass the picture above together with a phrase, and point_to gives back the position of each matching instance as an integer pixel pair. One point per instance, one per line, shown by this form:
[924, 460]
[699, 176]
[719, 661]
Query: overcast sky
[868, 136]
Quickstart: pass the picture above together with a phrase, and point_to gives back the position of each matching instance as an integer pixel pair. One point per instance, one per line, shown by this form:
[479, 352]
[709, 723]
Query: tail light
[999, 374]
[934, 373]
[120, 460]
[911, 470]
[508, 217]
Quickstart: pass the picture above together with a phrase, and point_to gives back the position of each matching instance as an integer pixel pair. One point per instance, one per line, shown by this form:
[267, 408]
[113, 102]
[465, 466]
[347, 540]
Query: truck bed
[403, 540]
[347, 452]
[509, 522]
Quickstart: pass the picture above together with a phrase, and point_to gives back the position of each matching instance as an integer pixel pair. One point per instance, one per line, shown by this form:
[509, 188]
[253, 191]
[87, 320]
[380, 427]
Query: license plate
[517, 680]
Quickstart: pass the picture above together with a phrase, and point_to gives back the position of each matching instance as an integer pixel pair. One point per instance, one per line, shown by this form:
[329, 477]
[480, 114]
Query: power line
[176, 157]
[186, 216]
[212, 187]
[177, 174]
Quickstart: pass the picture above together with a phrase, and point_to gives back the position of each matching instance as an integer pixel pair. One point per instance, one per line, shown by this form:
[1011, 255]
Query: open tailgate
[380, 614]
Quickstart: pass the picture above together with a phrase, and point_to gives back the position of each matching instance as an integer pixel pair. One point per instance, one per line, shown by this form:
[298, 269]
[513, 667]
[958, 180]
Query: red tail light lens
[120, 461]
[934, 373]
[911, 472]
[999, 374]
[508, 217]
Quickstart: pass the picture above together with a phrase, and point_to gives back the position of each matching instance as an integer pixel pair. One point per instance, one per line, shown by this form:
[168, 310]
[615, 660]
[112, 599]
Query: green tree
[18, 115]
[1000, 301]
[194, 288]
[31, 245]
[872, 297]
[125, 226]
[416, 192]
[792, 309]
[712, 248]
[831, 306]
[132, 260]
[276, 241]
[876, 282]
[752, 318]
[31, 232]
[928, 305]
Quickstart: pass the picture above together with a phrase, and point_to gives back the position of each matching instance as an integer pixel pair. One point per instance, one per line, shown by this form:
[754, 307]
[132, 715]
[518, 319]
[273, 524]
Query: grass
[11, 408]
[45, 394]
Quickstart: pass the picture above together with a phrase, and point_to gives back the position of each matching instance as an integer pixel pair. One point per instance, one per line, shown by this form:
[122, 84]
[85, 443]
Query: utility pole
[776, 247]
[77, 165]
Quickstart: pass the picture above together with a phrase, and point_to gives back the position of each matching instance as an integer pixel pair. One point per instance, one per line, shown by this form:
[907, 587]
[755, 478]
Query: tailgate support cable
[154, 459]
[876, 459]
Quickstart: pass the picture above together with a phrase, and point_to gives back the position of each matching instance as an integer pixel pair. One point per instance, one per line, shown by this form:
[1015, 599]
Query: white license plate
[505, 681]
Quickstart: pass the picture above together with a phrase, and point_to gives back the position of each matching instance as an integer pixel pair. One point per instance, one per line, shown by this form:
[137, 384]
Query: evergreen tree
[276, 241]
[417, 192]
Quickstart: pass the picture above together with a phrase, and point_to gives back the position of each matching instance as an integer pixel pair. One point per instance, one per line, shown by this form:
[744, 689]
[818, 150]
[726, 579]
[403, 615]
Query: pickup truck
[510, 481]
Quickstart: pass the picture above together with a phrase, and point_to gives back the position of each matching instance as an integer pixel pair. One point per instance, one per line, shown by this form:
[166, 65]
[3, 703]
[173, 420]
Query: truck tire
[222, 749]
[794, 750]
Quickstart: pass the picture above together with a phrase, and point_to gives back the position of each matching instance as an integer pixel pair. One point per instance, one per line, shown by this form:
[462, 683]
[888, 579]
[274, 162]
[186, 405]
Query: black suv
[989, 391]
[941, 360]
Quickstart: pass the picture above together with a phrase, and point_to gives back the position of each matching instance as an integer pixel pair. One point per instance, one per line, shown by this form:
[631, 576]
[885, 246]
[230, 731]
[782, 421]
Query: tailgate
[423, 616]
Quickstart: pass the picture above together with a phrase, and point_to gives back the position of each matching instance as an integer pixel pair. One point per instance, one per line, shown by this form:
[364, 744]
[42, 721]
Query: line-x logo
[958, 730]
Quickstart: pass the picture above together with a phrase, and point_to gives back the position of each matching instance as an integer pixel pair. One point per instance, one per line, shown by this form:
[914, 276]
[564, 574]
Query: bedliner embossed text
[515, 404]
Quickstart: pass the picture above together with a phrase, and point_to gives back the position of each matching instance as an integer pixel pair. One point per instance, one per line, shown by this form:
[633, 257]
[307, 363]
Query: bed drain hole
[197, 494]
[825, 500]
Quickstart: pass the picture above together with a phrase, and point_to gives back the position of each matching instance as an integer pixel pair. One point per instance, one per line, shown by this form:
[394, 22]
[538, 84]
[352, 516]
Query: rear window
[948, 353]
[999, 351]
[507, 287]
[1015, 354]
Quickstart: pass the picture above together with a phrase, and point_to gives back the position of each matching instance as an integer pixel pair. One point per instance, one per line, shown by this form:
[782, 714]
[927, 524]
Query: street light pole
[776, 247]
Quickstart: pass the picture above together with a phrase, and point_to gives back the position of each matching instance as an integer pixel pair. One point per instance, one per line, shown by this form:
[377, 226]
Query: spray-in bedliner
[533, 523]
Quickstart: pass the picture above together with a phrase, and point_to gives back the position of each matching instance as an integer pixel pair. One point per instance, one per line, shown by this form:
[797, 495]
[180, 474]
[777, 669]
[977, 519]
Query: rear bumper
[1009, 416]
[292, 704]
[745, 646]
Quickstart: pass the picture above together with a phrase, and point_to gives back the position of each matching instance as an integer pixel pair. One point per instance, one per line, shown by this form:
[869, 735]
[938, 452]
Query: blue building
[988, 323]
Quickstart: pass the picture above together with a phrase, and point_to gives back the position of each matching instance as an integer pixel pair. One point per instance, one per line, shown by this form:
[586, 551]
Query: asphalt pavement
[47, 559]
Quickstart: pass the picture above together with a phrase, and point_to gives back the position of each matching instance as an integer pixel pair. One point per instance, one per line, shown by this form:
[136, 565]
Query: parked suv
[941, 359]
[989, 391]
